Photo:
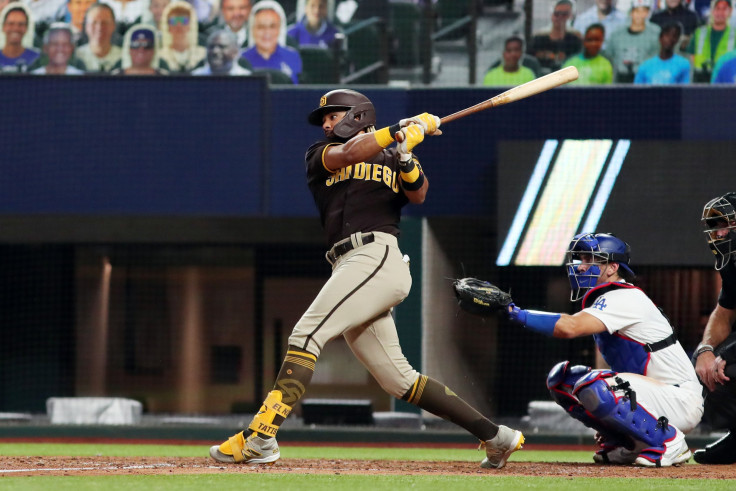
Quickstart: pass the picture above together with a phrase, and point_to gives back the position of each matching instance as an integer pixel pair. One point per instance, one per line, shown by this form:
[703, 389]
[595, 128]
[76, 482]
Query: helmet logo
[322, 101]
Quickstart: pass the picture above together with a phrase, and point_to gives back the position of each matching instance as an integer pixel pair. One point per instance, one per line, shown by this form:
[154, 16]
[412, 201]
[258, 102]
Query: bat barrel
[541, 84]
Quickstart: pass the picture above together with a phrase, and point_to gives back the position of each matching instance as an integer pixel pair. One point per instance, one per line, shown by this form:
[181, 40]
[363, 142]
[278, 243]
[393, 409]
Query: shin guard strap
[625, 387]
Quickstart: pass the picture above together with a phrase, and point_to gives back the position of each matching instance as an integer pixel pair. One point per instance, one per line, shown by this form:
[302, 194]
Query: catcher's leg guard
[623, 414]
[561, 381]
[263, 421]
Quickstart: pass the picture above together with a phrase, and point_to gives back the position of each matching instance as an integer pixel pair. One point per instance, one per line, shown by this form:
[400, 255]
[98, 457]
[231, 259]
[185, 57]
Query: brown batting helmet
[360, 111]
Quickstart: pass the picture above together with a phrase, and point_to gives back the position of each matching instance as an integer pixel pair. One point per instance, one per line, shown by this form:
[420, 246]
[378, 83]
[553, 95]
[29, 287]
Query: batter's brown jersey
[364, 197]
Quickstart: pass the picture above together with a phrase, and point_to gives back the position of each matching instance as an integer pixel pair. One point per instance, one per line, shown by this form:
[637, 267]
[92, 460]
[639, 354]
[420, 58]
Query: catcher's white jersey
[629, 313]
[664, 380]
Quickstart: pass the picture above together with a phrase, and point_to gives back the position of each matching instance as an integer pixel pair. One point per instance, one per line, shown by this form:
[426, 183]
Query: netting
[158, 240]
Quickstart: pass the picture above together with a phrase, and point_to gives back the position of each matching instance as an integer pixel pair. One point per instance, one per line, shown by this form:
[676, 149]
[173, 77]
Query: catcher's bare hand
[480, 297]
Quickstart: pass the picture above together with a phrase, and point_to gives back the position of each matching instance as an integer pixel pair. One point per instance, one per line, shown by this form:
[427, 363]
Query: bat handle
[399, 137]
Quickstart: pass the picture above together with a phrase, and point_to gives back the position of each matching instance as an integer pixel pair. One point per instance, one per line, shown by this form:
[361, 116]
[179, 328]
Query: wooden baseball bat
[541, 84]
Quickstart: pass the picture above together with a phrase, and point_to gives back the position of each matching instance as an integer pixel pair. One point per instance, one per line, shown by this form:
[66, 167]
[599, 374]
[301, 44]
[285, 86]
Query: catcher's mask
[593, 250]
[360, 112]
[719, 220]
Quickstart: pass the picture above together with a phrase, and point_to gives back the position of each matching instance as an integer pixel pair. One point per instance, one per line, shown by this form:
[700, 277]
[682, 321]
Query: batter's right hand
[413, 136]
[429, 122]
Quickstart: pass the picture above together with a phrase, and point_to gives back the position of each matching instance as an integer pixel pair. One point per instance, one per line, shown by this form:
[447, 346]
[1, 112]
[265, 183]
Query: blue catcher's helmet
[602, 249]
[719, 220]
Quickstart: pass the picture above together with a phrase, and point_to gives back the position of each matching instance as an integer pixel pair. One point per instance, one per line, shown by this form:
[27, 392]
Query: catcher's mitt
[480, 297]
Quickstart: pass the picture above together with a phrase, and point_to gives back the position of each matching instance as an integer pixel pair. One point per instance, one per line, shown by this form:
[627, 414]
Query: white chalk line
[96, 468]
[131, 467]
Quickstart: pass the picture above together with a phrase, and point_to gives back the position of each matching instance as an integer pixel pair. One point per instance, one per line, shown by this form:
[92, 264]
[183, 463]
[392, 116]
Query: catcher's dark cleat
[615, 456]
[720, 452]
[500, 447]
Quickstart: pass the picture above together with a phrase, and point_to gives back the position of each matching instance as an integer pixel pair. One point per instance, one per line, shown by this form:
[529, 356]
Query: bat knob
[399, 137]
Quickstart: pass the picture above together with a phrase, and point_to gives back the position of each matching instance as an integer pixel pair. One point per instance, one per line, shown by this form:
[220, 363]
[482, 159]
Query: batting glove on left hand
[413, 136]
[429, 122]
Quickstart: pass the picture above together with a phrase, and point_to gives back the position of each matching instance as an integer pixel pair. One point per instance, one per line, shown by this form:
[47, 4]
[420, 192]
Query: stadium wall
[158, 175]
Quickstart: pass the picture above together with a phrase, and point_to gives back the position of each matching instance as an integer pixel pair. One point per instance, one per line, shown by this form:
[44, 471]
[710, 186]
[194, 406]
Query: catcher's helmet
[719, 220]
[603, 249]
[360, 112]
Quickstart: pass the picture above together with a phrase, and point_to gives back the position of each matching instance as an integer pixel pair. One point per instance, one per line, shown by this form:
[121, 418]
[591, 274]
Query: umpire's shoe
[500, 447]
[251, 450]
[722, 451]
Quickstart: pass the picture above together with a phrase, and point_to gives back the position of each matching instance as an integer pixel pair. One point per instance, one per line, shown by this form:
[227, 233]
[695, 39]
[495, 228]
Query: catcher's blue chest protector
[622, 354]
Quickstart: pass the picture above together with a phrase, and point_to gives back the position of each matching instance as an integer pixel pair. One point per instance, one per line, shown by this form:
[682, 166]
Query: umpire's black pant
[720, 405]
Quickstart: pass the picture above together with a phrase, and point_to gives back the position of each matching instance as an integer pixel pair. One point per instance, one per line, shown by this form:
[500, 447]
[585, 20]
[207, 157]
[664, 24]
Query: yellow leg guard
[272, 406]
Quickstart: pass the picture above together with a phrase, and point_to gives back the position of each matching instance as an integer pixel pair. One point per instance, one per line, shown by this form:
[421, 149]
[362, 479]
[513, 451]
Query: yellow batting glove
[429, 122]
[413, 135]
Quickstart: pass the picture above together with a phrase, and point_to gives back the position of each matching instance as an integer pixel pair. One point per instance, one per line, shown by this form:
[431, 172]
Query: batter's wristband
[414, 185]
[407, 166]
[410, 173]
[385, 136]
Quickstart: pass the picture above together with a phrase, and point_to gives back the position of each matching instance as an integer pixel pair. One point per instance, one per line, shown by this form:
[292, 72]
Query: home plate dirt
[76, 466]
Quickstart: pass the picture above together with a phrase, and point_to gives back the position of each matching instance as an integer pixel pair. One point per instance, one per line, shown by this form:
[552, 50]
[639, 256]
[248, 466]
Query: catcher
[642, 406]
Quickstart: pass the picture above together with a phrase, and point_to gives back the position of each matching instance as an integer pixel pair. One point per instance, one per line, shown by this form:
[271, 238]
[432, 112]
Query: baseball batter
[651, 397]
[715, 357]
[360, 186]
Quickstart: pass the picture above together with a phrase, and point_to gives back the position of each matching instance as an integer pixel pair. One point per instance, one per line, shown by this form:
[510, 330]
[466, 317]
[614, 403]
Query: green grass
[283, 482]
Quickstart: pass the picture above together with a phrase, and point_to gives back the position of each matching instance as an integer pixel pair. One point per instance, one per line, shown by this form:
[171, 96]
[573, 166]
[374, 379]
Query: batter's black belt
[348, 244]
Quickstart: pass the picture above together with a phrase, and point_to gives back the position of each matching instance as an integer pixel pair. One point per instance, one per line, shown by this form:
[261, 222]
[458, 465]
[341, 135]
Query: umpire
[715, 356]
[360, 186]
